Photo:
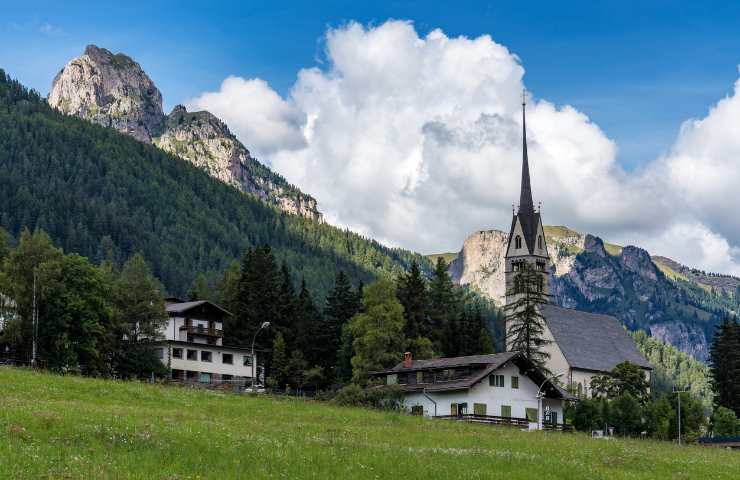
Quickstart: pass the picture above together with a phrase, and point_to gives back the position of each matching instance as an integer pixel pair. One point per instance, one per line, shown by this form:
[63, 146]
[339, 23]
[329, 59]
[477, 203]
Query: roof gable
[183, 307]
[591, 341]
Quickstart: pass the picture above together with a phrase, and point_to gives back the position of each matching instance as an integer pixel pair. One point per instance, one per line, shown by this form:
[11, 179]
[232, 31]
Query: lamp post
[679, 392]
[254, 358]
[539, 398]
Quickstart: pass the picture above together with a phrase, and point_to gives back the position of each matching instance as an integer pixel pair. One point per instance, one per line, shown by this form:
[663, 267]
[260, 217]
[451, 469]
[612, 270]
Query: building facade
[193, 347]
[581, 345]
[502, 385]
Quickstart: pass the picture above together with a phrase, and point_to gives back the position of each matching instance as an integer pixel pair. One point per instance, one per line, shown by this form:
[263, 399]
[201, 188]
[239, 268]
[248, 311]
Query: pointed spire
[525, 198]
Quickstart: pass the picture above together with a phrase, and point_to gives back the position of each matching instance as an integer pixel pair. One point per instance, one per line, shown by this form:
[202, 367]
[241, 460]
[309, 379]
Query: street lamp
[254, 358]
[539, 398]
[679, 392]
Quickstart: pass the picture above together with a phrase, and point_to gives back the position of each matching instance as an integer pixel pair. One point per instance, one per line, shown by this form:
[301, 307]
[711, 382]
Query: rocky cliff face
[481, 263]
[206, 141]
[588, 274]
[112, 90]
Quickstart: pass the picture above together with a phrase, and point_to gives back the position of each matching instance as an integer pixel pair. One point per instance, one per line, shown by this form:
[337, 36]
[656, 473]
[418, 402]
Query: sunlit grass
[68, 427]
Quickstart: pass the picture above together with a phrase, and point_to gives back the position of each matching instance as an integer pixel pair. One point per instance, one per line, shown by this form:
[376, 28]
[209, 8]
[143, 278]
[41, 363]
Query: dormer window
[539, 242]
[518, 241]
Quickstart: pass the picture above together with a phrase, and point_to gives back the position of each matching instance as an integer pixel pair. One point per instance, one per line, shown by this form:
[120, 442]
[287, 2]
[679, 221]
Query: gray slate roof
[482, 366]
[492, 359]
[591, 341]
[185, 306]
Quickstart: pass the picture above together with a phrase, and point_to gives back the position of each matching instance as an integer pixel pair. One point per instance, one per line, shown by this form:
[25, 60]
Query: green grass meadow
[70, 427]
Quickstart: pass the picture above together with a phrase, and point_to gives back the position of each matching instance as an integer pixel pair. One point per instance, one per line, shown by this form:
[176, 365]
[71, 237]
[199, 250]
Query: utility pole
[679, 392]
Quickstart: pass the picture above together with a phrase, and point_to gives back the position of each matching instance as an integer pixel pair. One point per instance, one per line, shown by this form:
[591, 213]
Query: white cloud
[417, 142]
[261, 119]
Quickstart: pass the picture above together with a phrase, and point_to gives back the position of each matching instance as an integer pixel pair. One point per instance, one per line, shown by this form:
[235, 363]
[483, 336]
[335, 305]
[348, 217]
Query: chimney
[407, 360]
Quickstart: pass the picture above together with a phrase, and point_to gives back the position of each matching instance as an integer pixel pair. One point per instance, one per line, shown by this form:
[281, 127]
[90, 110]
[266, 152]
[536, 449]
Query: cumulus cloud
[255, 113]
[416, 140]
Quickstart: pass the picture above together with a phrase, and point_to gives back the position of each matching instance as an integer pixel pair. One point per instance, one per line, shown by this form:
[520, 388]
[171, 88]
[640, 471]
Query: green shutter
[479, 408]
[514, 382]
[532, 414]
[453, 409]
[506, 411]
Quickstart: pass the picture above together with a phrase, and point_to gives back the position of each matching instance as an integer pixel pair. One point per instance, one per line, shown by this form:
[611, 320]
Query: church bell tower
[526, 242]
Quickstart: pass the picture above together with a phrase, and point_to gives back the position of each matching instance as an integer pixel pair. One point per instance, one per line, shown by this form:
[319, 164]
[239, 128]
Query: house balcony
[201, 330]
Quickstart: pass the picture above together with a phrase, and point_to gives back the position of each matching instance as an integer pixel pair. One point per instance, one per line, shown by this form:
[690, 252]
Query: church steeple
[526, 205]
[527, 235]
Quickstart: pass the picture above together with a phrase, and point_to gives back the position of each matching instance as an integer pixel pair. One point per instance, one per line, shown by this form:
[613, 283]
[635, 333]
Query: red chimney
[407, 360]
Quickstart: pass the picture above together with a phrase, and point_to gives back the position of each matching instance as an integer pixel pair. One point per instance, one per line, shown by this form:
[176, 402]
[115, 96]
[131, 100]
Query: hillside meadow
[72, 427]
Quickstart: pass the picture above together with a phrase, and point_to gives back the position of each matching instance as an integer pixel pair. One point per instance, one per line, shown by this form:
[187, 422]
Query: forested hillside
[672, 367]
[105, 195]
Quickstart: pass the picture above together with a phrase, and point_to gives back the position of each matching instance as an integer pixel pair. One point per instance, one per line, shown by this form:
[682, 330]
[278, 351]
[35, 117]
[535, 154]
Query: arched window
[518, 242]
[539, 242]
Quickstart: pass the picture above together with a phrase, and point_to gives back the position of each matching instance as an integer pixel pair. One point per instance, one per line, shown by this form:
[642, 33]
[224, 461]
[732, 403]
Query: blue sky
[638, 69]
[398, 129]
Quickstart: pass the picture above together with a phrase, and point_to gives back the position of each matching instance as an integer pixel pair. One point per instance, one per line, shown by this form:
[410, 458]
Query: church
[581, 345]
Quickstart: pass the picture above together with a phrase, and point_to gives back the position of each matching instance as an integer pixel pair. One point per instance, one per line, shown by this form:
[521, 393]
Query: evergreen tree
[412, 293]
[4, 245]
[308, 328]
[377, 331]
[227, 291]
[138, 316]
[525, 323]
[258, 298]
[443, 309]
[199, 289]
[286, 305]
[725, 365]
[341, 306]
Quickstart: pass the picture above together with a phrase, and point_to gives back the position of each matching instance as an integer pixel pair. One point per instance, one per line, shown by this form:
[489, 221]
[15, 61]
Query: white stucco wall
[493, 397]
[216, 364]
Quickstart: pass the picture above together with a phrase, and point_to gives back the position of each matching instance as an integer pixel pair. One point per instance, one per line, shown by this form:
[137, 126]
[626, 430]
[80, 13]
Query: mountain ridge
[678, 306]
[113, 90]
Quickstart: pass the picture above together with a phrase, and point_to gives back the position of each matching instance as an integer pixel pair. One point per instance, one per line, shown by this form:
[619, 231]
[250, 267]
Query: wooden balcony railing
[490, 419]
[506, 421]
[201, 330]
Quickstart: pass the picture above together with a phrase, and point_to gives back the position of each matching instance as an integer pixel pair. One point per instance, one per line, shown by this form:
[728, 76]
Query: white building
[193, 349]
[503, 385]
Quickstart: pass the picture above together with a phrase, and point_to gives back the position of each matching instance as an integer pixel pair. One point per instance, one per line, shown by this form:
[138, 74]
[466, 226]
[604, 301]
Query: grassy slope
[55, 427]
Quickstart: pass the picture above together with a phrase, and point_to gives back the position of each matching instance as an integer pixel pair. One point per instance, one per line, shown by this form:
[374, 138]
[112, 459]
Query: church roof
[591, 341]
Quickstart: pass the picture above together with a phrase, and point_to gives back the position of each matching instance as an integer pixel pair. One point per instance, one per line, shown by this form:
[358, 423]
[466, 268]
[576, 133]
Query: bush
[725, 423]
[383, 398]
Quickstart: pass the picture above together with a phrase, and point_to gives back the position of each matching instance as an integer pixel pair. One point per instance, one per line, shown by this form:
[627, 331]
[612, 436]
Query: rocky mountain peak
[638, 261]
[111, 90]
[114, 91]
[594, 245]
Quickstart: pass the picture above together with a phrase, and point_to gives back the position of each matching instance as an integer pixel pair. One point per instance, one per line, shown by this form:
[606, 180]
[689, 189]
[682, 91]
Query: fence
[505, 421]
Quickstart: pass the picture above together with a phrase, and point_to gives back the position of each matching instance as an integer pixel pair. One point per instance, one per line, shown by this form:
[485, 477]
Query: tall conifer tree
[525, 323]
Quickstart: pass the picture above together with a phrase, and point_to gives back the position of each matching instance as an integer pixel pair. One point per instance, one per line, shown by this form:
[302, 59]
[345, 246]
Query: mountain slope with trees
[104, 195]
